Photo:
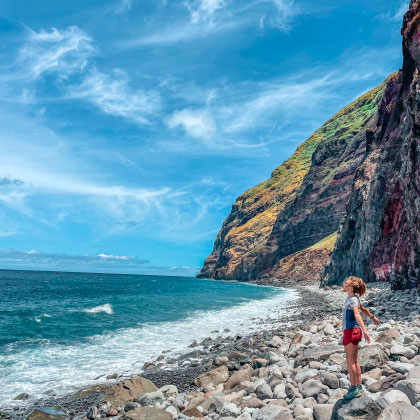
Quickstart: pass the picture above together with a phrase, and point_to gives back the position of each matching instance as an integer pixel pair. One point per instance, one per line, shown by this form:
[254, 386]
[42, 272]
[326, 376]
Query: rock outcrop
[379, 238]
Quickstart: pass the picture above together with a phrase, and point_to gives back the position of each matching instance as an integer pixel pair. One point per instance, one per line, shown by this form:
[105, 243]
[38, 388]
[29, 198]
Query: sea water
[60, 331]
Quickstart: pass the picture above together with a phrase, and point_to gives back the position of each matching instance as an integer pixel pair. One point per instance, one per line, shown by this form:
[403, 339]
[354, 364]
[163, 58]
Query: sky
[130, 127]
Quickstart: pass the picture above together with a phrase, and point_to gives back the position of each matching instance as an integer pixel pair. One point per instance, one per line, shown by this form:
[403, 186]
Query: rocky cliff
[379, 238]
[301, 204]
[348, 200]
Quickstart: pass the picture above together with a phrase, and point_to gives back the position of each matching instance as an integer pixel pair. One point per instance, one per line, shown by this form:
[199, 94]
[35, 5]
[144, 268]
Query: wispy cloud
[65, 56]
[113, 95]
[204, 10]
[215, 18]
[197, 123]
[395, 14]
[61, 52]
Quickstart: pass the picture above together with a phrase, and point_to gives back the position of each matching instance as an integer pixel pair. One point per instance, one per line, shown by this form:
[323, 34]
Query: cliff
[379, 238]
[301, 203]
[347, 202]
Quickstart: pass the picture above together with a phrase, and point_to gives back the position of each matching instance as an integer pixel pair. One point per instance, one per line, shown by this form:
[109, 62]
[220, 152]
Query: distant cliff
[300, 206]
[380, 235]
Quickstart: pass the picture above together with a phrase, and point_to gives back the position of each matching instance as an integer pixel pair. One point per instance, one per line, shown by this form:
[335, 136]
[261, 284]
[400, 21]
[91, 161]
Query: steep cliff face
[300, 204]
[379, 238]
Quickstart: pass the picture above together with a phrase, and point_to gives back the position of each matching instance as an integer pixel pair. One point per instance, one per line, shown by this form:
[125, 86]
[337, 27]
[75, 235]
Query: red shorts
[352, 335]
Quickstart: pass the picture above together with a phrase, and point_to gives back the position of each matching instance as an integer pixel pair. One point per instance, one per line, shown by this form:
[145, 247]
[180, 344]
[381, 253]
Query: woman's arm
[359, 319]
[367, 313]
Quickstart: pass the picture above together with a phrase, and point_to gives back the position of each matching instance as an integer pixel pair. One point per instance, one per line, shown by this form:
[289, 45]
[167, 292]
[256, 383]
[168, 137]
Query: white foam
[65, 368]
[107, 308]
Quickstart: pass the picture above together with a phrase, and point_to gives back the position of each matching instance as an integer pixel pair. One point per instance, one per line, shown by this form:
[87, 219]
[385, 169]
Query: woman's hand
[376, 320]
[366, 336]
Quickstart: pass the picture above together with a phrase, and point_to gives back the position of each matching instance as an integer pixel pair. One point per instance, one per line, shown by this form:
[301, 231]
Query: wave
[107, 308]
[65, 368]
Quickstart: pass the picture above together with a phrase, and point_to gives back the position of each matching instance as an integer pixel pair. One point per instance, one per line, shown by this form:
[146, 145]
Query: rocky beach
[296, 370]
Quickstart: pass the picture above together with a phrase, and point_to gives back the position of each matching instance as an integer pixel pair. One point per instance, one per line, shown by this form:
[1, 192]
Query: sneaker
[352, 393]
[359, 391]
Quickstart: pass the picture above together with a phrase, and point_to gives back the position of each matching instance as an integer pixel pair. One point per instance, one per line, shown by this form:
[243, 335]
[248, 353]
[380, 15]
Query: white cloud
[197, 123]
[113, 95]
[66, 53]
[286, 10]
[204, 10]
[113, 257]
[63, 52]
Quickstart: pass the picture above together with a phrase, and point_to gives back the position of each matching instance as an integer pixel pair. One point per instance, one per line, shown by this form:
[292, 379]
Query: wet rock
[47, 413]
[22, 397]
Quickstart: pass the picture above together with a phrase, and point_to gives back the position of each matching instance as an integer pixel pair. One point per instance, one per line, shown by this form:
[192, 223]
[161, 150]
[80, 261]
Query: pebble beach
[296, 370]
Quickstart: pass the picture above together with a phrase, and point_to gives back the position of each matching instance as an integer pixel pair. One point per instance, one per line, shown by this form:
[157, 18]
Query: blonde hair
[357, 283]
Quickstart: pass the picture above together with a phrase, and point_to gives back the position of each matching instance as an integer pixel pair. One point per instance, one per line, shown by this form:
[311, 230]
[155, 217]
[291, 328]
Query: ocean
[60, 331]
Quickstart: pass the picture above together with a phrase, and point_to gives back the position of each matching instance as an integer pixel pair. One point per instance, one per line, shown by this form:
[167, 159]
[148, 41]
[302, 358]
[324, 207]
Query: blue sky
[130, 127]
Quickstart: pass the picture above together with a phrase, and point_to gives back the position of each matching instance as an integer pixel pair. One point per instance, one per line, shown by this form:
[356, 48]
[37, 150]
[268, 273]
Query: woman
[353, 326]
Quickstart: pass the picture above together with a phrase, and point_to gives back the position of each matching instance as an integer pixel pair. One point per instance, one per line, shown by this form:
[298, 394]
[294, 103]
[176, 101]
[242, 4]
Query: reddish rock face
[379, 238]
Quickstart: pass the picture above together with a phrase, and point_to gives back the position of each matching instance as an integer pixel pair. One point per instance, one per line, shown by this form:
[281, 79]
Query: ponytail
[358, 285]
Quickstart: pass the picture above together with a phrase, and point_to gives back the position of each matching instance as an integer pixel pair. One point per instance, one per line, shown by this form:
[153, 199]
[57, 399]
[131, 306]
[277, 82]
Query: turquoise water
[62, 330]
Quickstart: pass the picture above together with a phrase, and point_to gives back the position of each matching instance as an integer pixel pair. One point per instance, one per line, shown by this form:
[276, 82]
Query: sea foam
[107, 308]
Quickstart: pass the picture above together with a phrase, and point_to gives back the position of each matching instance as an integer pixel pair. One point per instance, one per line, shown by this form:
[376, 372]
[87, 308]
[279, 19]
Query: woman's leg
[351, 358]
[358, 370]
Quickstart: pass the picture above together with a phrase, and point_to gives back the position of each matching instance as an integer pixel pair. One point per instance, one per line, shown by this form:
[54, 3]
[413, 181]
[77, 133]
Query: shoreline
[180, 375]
[320, 307]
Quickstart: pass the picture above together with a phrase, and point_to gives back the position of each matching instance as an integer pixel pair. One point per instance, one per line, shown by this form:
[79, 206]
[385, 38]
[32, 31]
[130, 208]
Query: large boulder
[238, 376]
[81, 393]
[362, 408]
[323, 411]
[128, 390]
[215, 376]
[411, 387]
[147, 413]
[371, 357]
[388, 336]
[400, 350]
[270, 412]
[385, 383]
[47, 413]
[305, 374]
[319, 353]
[400, 410]
[414, 373]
